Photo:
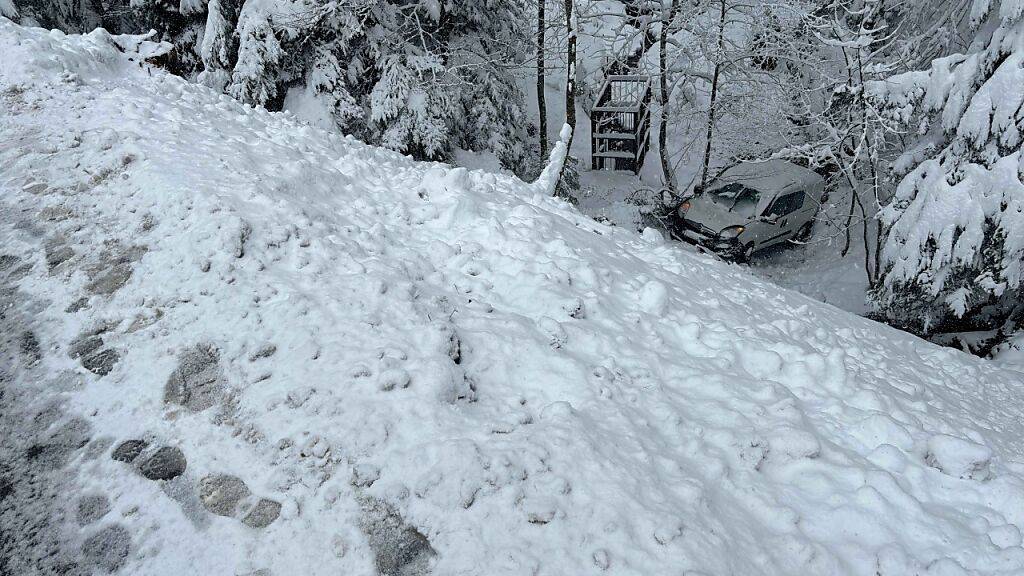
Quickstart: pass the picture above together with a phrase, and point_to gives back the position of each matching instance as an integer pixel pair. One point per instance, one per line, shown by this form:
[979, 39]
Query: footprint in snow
[556, 335]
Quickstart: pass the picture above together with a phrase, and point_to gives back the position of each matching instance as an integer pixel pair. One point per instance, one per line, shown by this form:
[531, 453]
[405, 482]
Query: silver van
[751, 206]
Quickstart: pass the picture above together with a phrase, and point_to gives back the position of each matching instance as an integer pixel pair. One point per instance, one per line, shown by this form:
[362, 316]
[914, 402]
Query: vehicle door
[757, 229]
[782, 217]
[808, 208]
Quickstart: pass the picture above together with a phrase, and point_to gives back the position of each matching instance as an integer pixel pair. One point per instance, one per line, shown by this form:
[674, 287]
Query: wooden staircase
[620, 124]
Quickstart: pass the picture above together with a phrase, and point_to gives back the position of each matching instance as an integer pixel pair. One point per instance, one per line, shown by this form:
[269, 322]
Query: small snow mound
[653, 236]
[555, 411]
[761, 363]
[789, 443]
[958, 457]
[654, 298]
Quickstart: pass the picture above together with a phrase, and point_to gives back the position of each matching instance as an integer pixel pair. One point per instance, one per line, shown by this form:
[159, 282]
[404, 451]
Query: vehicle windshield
[736, 198]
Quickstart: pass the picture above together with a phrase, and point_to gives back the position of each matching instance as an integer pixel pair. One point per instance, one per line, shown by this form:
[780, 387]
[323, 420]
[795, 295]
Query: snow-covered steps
[320, 357]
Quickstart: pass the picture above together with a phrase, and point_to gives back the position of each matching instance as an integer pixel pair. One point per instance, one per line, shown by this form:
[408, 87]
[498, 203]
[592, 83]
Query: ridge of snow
[536, 392]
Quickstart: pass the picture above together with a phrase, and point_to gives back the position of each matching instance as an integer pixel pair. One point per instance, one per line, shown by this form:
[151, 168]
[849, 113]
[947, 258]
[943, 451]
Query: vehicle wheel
[804, 233]
[744, 253]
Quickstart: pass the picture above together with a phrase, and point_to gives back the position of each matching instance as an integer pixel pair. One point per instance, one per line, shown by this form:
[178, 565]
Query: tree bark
[570, 75]
[714, 96]
[666, 164]
[849, 220]
[570, 80]
[541, 103]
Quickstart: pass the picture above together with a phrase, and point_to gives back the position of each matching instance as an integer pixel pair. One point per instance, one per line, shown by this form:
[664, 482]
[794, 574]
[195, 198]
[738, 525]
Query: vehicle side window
[798, 200]
[784, 205]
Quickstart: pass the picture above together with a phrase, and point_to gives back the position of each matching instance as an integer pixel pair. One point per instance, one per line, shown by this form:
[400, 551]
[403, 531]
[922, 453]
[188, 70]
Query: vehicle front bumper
[703, 236]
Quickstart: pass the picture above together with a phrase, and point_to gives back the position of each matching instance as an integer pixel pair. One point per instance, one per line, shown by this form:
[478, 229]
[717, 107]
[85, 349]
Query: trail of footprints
[34, 457]
[221, 494]
[33, 493]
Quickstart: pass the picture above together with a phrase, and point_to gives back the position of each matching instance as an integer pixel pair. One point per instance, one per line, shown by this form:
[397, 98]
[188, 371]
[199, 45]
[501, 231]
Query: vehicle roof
[770, 176]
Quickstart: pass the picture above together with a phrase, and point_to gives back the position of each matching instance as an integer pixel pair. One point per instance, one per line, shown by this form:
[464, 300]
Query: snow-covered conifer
[76, 16]
[255, 76]
[955, 246]
[8, 9]
[219, 49]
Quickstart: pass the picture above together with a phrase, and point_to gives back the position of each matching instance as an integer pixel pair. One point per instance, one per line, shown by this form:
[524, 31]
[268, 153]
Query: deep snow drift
[234, 344]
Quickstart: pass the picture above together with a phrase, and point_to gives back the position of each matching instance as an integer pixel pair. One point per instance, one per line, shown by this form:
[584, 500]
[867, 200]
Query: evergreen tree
[254, 79]
[219, 48]
[8, 9]
[179, 22]
[421, 78]
[73, 16]
[955, 247]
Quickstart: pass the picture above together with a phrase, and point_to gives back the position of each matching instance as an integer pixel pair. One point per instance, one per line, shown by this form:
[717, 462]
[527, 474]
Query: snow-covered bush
[953, 254]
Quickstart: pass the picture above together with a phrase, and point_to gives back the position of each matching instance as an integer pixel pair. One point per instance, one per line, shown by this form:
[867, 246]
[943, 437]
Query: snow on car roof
[770, 175]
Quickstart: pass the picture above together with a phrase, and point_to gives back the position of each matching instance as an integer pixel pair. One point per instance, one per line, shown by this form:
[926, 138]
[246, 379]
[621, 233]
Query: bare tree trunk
[570, 73]
[541, 103]
[873, 272]
[849, 221]
[570, 79]
[714, 96]
[867, 251]
[666, 164]
[879, 237]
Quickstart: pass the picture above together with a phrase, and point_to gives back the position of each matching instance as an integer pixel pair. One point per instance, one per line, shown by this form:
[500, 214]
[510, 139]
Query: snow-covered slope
[432, 370]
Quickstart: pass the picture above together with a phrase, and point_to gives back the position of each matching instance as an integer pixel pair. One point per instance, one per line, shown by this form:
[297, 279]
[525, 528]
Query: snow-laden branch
[548, 179]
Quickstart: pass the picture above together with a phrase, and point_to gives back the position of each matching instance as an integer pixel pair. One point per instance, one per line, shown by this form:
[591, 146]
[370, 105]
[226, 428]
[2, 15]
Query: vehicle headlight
[731, 232]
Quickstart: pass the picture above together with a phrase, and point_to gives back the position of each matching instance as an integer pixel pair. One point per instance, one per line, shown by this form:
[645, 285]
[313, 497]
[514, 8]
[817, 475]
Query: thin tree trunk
[874, 273]
[666, 164]
[867, 251]
[879, 237]
[570, 75]
[714, 96]
[849, 220]
[541, 103]
[570, 79]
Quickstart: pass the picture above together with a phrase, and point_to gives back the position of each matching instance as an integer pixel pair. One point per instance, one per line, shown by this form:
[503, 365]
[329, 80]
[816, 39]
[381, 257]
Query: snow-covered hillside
[234, 344]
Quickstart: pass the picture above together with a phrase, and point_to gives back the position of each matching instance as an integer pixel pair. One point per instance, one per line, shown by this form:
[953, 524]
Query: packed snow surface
[243, 345]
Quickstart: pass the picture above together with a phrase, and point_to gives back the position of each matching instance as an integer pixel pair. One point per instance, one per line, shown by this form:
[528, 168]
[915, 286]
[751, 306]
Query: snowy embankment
[234, 344]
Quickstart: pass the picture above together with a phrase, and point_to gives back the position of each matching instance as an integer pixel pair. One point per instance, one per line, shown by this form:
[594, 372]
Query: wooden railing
[620, 124]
